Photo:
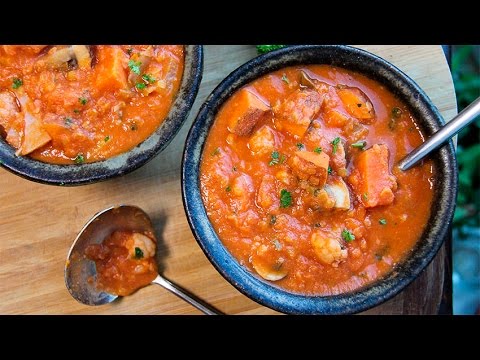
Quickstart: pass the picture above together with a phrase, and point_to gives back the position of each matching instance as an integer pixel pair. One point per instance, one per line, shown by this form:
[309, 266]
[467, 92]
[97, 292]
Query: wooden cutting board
[39, 222]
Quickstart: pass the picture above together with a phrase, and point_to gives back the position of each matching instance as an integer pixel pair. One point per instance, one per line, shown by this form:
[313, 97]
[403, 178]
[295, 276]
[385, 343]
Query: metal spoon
[441, 136]
[80, 272]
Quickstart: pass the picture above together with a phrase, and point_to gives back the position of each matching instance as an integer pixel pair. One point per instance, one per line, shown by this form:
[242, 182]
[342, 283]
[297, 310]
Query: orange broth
[78, 103]
[272, 208]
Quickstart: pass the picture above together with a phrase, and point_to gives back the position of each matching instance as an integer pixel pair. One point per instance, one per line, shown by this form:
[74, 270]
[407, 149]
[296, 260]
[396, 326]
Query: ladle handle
[446, 132]
[183, 295]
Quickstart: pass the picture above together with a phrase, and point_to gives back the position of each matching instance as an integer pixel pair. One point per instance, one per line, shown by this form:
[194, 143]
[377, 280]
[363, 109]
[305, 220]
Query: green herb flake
[382, 222]
[276, 158]
[329, 170]
[79, 159]
[107, 138]
[284, 78]
[140, 86]
[83, 100]
[148, 79]
[228, 188]
[396, 112]
[335, 143]
[285, 198]
[76, 111]
[365, 196]
[262, 49]
[17, 82]
[300, 146]
[273, 219]
[360, 144]
[135, 66]
[216, 151]
[68, 122]
[138, 253]
[318, 150]
[347, 235]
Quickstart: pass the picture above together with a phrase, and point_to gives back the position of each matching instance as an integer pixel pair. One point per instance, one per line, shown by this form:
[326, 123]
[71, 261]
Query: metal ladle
[460, 121]
[80, 272]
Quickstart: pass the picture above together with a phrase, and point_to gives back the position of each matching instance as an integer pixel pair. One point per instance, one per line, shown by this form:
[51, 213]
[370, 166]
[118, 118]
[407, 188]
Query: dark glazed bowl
[266, 293]
[124, 163]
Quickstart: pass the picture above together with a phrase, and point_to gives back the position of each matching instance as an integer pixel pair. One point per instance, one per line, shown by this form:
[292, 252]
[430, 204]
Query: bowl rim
[124, 163]
[264, 292]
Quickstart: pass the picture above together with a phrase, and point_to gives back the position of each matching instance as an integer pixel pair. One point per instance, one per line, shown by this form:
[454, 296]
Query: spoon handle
[446, 132]
[159, 280]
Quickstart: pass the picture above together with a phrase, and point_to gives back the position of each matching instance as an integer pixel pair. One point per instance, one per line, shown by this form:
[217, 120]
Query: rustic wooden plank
[39, 222]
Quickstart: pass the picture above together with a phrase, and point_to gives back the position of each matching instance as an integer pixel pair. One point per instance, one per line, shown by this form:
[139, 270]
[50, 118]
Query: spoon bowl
[81, 273]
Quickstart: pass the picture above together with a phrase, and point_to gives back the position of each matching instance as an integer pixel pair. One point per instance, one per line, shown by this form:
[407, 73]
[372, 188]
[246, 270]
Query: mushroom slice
[269, 266]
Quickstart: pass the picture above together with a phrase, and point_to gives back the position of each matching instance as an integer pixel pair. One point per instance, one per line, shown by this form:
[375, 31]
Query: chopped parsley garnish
[138, 253]
[360, 144]
[347, 235]
[148, 79]
[335, 143]
[79, 159]
[318, 150]
[17, 83]
[276, 158]
[83, 100]
[396, 112]
[107, 138]
[273, 219]
[300, 146]
[365, 196]
[68, 121]
[216, 151]
[135, 66]
[285, 198]
[382, 222]
[140, 86]
[329, 170]
[76, 111]
[228, 188]
[262, 49]
[284, 78]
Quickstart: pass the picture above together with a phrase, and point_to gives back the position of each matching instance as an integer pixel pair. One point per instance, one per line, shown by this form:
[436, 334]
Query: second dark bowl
[88, 173]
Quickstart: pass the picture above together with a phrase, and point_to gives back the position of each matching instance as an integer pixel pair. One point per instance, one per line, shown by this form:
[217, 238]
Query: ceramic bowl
[31, 169]
[266, 293]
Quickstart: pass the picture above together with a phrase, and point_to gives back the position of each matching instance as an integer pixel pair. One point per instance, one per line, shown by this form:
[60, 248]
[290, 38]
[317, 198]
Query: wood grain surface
[39, 222]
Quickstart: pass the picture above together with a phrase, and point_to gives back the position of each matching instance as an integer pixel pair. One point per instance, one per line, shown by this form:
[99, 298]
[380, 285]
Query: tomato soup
[79, 103]
[299, 179]
[125, 262]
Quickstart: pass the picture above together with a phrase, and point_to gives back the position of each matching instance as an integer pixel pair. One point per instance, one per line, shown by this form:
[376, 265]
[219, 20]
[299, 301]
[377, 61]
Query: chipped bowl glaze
[88, 173]
[266, 293]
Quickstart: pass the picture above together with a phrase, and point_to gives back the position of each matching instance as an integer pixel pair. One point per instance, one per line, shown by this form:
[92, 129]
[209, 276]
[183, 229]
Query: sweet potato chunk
[111, 73]
[297, 111]
[356, 102]
[248, 108]
[371, 178]
[310, 166]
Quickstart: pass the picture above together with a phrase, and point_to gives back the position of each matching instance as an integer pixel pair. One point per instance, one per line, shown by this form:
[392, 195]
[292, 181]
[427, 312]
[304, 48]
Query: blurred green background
[466, 224]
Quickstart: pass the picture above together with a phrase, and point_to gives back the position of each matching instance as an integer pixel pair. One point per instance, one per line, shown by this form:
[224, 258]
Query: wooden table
[39, 222]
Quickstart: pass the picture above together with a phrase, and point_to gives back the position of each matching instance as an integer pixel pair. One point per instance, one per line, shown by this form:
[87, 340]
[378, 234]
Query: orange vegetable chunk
[248, 109]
